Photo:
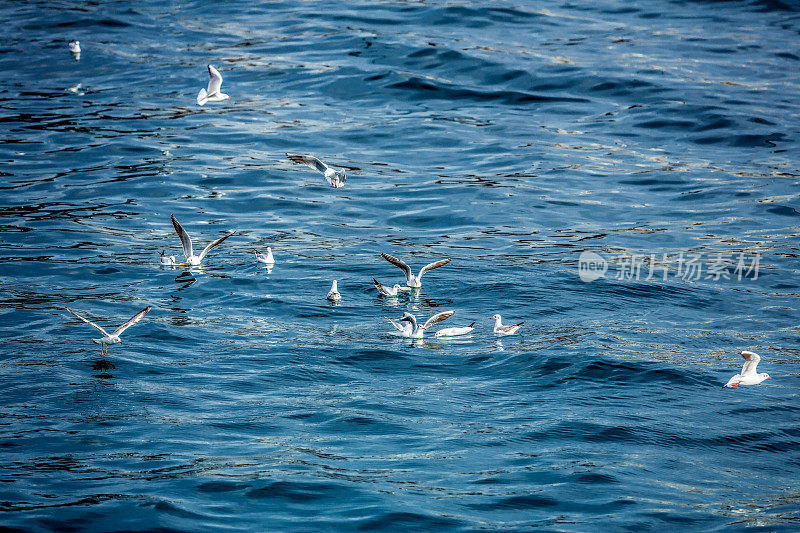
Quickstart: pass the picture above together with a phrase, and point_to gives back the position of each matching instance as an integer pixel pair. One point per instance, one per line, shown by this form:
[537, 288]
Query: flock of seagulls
[407, 325]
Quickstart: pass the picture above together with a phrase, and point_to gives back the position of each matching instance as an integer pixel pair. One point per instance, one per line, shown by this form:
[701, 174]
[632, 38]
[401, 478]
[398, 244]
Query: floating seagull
[112, 338]
[213, 93]
[186, 241]
[415, 331]
[268, 259]
[335, 177]
[388, 291]
[748, 375]
[500, 329]
[167, 260]
[411, 280]
[454, 332]
[75, 47]
[333, 294]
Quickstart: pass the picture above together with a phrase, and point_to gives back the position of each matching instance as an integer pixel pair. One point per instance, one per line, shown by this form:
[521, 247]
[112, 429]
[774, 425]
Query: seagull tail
[202, 97]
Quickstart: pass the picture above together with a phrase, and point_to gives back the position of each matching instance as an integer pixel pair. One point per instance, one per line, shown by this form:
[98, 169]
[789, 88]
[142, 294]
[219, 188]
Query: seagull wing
[186, 241]
[134, 319]
[398, 263]
[308, 160]
[397, 325]
[433, 265]
[751, 360]
[214, 81]
[101, 330]
[213, 244]
[438, 317]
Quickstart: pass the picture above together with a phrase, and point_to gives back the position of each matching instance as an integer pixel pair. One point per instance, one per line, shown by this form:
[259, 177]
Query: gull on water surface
[186, 241]
[167, 260]
[388, 291]
[748, 375]
[454, 332]
[500, 329]
[414, 330]
[262, 258]
[335, 177]
[411, 279]
[333, 294]
[213, 93]
[75, 47]
[113, 337]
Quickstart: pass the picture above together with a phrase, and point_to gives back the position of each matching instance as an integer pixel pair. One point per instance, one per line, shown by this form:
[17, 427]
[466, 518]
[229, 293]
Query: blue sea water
[510, 137]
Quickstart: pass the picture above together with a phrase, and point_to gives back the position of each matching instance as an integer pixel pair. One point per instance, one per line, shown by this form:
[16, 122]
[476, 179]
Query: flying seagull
[411, 279]
[111, 338]
[335, 177]
[213, 93]
[748, 375]
[186, 241]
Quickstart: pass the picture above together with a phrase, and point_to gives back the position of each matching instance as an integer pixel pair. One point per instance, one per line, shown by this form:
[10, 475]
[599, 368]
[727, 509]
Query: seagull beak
[404, 289]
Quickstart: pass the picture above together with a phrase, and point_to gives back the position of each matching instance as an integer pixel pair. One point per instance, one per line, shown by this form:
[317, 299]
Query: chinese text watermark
[661, 267]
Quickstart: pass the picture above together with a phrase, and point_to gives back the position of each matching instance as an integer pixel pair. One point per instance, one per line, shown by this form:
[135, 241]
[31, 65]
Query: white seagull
[454, 332]
[411, 279]
[500, 329]
[75, 47]
[335, 177]
[111, 338]
[213, 93]
[333, 294]
[748, 375]
[186, 241]
[415, 331]
[388, 291]
[167, 260]
[268, 259]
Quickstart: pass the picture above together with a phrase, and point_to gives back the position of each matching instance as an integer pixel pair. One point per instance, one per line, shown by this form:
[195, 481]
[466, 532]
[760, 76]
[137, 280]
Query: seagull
[748, 375]
[112, 338]
[411, 280]
[500, 329]
[454, 332]
[333, 294]
[167, 260]
[213, 93]
[388, 291]
[186, 241]
[415, 331]
[335, 177]
[268, 259]
[75, 47]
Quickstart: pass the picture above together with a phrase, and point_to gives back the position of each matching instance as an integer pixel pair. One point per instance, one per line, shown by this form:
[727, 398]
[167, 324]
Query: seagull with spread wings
[213, 93]
[186, 241]
[413, 329]
[748, 375]
[335, 177]
[412, 280]
[113, 337]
